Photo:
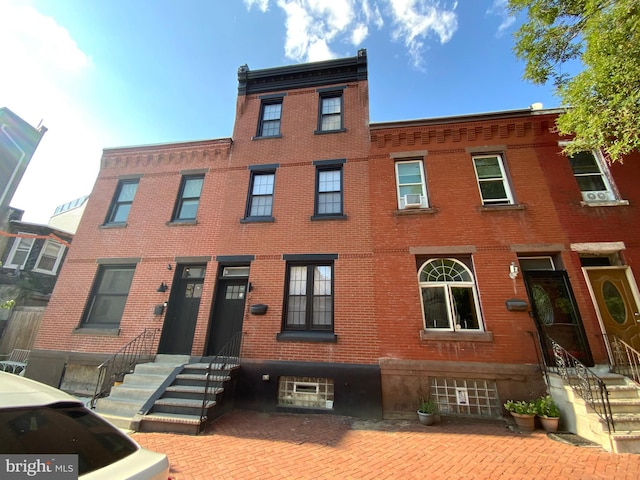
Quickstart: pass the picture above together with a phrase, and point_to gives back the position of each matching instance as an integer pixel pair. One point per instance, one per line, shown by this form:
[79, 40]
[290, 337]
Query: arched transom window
[449, 300]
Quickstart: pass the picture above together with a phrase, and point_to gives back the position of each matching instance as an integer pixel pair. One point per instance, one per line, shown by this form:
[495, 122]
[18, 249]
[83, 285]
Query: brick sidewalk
[251, 445]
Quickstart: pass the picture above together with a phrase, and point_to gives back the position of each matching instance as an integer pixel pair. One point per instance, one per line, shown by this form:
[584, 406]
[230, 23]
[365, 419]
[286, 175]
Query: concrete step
[627, 423]
[170, 423]
[624, 405]
[625, 443]
[173, 359]
[189, 377]
[155, 368]
[623, 392]
[138, 379]
[118, 407]
[184, 402]
[133, 393]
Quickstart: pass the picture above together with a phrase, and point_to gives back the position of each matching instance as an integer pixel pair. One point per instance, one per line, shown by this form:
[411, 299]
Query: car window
[63, 428]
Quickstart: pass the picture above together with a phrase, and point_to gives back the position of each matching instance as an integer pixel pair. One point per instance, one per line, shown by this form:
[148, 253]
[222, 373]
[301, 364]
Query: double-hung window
[19, 253]
[188, 197]
[122, 200]
[261, 189]
[309, 296]
[590, 174]
[492, 180]
[109, 296]
[331, 110]
[449, 299]
[50, 257]
[411, 185]
[329, 189]
[270, 115]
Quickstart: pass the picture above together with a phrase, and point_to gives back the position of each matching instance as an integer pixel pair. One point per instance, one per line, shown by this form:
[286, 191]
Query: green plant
[8, 305]
[427, 405]
[546, 407]
[520, 407]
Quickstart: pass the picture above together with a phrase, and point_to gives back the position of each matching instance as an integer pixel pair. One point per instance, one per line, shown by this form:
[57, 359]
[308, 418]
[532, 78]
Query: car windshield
[63, 428]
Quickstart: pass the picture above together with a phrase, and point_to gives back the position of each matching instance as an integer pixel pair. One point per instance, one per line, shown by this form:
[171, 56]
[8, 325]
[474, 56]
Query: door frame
[633, 286]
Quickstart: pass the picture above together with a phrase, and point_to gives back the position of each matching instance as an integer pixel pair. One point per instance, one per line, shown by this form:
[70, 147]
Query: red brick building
[370, 263]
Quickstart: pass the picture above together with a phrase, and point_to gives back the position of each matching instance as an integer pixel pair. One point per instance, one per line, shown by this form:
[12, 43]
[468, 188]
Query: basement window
[306, 392]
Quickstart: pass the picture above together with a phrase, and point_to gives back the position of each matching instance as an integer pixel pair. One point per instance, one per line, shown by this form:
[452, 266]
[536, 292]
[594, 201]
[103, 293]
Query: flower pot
[550, 424]
[426, 418]
[525, 422]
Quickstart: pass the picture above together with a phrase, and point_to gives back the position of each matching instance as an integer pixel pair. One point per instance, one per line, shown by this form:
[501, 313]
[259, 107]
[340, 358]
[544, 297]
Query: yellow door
[617, 304]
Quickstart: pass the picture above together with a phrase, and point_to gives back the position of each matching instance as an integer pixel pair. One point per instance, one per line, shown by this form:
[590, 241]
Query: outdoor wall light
[162, 288]
[513, 270]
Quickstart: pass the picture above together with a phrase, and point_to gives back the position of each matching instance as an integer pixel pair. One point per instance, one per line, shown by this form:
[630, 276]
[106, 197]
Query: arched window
[449, 300]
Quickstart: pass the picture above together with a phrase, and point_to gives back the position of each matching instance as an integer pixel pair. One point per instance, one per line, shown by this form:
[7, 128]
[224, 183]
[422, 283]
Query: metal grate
[457, 396]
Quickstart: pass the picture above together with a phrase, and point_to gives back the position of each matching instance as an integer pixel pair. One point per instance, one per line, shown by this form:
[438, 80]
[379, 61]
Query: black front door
[556, 314]
[182, 312]
[228, 313]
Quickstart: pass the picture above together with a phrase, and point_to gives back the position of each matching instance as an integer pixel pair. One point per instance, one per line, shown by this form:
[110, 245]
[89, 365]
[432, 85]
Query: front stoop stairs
[624, 399]
[166, 395]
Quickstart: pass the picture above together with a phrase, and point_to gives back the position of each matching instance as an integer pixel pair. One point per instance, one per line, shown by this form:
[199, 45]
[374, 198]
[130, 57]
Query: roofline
[54, 230]
[223, 140]
[470, 117]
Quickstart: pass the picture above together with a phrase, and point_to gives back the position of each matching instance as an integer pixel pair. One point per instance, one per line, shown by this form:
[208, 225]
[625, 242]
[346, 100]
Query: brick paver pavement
[252, 445]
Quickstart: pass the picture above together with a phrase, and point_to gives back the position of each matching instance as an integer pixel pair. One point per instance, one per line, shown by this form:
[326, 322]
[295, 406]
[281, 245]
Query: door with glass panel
[616, 303]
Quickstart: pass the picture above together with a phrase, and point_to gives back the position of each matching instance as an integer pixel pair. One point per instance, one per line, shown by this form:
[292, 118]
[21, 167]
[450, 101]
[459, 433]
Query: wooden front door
[616, 303]
[228, 313]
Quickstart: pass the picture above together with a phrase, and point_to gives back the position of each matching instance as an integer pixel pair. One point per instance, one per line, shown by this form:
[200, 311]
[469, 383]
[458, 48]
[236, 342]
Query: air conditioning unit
[598, 196]
[412, 200]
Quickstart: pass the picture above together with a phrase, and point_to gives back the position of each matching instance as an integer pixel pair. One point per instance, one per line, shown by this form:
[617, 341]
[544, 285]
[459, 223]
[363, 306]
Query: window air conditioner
[598, 196]
[412, 200]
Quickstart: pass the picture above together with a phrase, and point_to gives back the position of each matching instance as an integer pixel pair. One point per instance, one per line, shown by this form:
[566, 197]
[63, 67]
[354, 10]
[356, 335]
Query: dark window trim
[269, 169]
[310, 257]
[330, 93]
[180, 199]
[326, 90]
[104, 266]
[269, 100]
[235, 258]
[197, 259]
[328, 163]
[307, 336]
[328, 166]
[272, 96]
[115, 203]
[118, 261]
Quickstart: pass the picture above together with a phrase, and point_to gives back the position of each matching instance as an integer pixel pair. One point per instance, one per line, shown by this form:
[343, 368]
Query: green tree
[604, 97]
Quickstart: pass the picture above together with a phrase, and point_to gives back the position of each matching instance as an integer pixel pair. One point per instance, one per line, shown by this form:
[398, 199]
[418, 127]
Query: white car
[36, 419]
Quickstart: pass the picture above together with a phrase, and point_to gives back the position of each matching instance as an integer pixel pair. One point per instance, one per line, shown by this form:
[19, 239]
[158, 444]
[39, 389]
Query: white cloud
[263, 5]
[415, 20]
[500, 8]
[41, 65]
[314, 27]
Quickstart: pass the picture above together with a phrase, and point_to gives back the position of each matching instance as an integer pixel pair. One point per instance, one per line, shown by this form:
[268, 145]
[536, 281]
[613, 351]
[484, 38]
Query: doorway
[616, 303]
[182, 312]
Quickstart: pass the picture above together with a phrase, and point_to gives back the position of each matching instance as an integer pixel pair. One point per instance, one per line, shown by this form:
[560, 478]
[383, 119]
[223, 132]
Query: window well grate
[469, 397]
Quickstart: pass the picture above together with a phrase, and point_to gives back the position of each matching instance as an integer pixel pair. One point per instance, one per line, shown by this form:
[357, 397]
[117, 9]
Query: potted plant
[548, 412]
[524, 413]
[427, 411]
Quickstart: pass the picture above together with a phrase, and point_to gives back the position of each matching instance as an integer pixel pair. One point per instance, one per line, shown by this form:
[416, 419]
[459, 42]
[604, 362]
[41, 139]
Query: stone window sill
[610, 203]
[415, 211]
[313, 337]
[101, 332]
[467, 336]
[498, 208]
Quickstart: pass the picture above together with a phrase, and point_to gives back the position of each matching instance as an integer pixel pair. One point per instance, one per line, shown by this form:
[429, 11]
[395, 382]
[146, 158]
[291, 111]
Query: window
[260, 203]
[330, 115]
[50, 257]
[270, 113]
[449, 298]
[19, 252]
[109, 296]
[411, 185]
[309, 297]
[492, 180]
[122, 200]
[189, 197]
[588, 169]
[329, 188]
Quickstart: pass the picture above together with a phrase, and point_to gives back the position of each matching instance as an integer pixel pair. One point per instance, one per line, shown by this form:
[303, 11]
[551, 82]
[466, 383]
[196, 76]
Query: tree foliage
[604, 97]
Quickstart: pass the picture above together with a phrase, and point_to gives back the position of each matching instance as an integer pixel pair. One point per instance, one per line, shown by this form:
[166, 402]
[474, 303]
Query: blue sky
[109, 73]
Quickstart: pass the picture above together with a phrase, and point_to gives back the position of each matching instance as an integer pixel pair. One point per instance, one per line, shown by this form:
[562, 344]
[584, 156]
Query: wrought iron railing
[138, 350]
[583, 381]
[227, 357]
[625, 360]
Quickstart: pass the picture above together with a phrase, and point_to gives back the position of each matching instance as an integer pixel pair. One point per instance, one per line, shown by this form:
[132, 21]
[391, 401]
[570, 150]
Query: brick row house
[366, 264]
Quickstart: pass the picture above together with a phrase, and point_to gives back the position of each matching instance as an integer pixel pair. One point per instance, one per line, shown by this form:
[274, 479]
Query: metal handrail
[228, 355]
[625, 360]
[589, 386]
[138, 350]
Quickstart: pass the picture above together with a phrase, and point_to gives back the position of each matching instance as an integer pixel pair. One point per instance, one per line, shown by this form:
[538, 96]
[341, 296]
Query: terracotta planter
[550, 424]
[426, 418]
[525, 422]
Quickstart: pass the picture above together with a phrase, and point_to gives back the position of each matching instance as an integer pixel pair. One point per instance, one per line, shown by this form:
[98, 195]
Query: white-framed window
[591, 174]
[449, 298]
[492, 180]
[20, 251]
[411, 185]
[49, 258]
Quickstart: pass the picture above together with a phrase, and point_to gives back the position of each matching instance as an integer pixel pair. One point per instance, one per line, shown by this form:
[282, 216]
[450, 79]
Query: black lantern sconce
[162, 288]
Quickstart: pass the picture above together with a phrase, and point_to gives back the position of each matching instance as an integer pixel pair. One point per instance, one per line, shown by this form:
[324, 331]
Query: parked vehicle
[36, 419]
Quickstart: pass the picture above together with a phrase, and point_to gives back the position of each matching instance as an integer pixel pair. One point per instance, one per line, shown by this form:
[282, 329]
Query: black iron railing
[583, 381]
[139, 350]
[625, 360]
[227, 357]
